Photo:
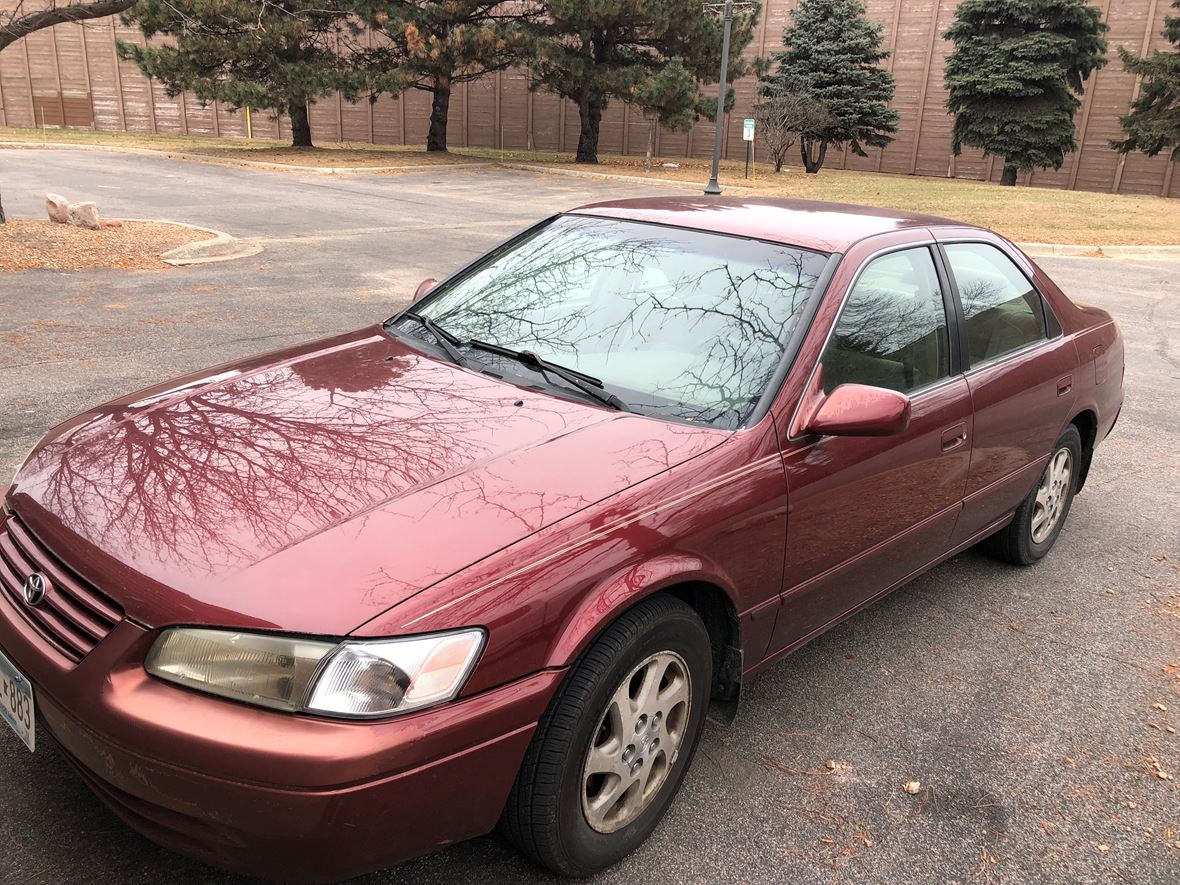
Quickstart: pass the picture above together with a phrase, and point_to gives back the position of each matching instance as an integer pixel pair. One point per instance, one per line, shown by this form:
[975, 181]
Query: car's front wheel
[1039, 519]
[611, 750]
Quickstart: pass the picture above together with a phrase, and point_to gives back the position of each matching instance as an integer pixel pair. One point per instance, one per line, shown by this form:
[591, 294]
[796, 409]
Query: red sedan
[492, 561]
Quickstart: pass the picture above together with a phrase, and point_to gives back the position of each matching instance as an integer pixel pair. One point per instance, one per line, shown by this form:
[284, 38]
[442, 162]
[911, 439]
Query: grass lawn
[1028, 215]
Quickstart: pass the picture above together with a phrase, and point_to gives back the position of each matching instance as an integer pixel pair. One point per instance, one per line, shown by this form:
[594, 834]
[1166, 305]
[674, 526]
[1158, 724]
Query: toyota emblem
[34, 588]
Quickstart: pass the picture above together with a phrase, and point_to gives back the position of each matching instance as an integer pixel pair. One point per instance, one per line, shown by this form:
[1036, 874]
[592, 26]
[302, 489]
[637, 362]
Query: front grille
[74, 617]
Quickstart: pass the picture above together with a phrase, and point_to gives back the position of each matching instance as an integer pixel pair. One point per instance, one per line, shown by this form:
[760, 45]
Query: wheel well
[720, 618]
[1087, 424]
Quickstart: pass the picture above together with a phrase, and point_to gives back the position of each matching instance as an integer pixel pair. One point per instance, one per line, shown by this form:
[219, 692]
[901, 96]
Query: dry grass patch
[1024, 214]
[334, 155]
[26, 244]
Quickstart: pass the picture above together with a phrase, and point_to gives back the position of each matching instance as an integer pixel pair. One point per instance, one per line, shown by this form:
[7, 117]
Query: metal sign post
[748, 138]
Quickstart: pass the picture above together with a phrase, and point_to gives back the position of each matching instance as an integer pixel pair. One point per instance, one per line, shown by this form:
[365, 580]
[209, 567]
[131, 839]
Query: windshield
[677, 324]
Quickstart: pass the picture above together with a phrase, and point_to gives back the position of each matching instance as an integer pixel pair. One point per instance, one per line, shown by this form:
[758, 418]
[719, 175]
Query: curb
[250, 164]
[1058, 250]
[631, 179]
[222, 247]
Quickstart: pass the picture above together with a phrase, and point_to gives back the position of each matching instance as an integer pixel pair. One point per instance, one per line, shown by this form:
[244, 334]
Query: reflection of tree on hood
[256, 463]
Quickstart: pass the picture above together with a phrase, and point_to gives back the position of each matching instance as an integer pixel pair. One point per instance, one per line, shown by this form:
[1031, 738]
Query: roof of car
[810, 224]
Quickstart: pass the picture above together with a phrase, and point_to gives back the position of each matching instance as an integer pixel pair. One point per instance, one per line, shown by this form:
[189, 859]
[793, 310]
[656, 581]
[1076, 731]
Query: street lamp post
[719, 123]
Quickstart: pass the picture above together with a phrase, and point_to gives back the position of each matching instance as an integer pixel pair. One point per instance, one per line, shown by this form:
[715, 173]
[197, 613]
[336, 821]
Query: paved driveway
[1021, 699]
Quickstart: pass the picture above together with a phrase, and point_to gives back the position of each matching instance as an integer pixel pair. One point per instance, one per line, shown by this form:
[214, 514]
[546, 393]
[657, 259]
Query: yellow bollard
[249, 125]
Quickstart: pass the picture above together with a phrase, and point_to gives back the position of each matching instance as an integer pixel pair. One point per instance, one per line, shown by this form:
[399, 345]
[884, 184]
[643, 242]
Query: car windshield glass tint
[679, 324]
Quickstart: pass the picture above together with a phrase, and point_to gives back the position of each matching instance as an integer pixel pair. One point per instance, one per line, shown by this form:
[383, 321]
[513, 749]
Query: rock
[58, 208]
[112, 222]
[913, 787]
[85, 215]
[670, 165]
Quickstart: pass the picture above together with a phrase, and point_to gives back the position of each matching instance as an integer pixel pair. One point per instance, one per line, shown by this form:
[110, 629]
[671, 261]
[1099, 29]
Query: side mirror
[860, 410]
[425, 286]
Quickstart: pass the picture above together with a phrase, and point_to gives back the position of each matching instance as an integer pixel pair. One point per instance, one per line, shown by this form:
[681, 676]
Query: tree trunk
[1008, 179]
[436, 137]
[300, 125]
[590, 110]
[813, 159]
[3, 219]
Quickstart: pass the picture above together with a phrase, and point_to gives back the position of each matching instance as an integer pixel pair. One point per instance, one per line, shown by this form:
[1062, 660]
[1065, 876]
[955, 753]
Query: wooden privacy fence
[70, 76]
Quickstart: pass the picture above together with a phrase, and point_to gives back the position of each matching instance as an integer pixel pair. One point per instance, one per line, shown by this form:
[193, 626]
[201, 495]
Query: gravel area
[132, 245]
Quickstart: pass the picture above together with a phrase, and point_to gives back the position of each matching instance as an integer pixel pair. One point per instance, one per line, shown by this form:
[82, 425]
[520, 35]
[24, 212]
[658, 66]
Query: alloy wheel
[1052, 494]
[637, 741]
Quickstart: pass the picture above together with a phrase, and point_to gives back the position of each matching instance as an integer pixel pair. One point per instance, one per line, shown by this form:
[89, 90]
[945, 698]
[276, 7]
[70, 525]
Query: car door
[1019, 369]
[867, 512]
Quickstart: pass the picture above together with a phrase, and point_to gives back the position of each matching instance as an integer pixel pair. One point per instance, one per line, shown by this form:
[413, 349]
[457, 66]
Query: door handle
[954, 437]
[1064, 385]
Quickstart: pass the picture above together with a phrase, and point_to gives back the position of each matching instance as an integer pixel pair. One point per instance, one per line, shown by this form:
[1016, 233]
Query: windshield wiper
[588, 384]
[445, 339]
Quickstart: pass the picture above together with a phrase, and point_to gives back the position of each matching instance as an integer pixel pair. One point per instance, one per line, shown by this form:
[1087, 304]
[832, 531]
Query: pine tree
[435, 44]
[1015, 74]
[656, 53]
[833, 52]
[1154, 122]
[276, 56]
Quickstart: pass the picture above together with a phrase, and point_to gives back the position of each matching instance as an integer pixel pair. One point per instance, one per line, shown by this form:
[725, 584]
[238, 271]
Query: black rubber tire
[1014, 542]
[543, 818]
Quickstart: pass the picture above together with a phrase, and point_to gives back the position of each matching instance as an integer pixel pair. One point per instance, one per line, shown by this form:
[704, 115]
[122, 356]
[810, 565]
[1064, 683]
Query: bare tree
[783, 119]
[20, 21]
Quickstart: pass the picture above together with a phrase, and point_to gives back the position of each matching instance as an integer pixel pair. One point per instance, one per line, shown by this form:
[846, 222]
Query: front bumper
[286, 797]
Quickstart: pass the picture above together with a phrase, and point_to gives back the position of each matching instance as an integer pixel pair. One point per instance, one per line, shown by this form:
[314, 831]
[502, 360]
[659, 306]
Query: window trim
[951, 315]
[1053, 329]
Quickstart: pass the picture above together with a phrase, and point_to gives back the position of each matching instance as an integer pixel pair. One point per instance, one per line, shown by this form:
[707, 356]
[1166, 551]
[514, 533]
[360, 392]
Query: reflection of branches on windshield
[532, 300]
[683, 324]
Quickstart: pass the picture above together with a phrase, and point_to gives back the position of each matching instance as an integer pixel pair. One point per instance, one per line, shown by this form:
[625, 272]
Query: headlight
[354, 679]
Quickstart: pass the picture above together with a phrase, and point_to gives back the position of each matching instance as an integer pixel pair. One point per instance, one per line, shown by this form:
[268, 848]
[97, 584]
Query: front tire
[610, 752]
[1039, 519]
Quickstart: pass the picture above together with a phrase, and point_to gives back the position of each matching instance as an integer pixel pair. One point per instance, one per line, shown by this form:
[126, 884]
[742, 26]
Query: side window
[1002, 309]
[892, 330]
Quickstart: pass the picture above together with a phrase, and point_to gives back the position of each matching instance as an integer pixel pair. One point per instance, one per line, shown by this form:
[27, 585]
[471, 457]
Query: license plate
[16, 702]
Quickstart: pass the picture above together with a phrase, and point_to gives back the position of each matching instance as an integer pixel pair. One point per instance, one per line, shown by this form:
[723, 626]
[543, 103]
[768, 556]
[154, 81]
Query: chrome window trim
[869, 259]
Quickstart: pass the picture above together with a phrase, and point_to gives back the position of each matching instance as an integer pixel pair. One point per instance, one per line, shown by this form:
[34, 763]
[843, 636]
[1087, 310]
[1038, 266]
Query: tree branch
[56, 15]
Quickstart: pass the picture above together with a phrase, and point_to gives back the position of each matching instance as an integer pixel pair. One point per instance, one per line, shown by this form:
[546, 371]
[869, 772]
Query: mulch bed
[26, 244]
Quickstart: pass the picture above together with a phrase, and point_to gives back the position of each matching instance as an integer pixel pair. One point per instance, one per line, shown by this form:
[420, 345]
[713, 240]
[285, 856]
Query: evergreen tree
[833, 56]
[1015, 74]
[278, 55]
[656, 53]
[1154, 122]
[435, 44]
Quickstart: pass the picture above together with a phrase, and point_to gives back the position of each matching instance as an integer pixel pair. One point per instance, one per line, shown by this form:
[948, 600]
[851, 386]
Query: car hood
[313, 489]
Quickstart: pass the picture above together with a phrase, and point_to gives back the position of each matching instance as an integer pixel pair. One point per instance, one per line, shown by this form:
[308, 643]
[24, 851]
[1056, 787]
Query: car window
[1002, 310]
[892, 330]
[678, 324]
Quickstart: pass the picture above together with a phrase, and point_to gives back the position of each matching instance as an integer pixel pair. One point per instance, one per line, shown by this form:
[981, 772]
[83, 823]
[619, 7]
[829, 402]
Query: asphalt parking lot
[1027, 702]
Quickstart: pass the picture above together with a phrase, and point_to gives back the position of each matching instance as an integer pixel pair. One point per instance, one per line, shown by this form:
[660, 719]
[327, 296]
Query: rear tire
[609, 754]
[1039, 518]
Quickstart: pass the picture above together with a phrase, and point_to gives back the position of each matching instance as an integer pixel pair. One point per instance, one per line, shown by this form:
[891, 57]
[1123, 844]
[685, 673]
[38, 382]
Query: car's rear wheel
[1039, 519]
[610, 753]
